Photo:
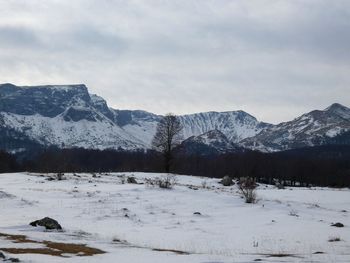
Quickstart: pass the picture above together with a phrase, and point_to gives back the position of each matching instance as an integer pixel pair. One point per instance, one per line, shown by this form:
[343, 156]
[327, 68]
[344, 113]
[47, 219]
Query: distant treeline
[322, 166]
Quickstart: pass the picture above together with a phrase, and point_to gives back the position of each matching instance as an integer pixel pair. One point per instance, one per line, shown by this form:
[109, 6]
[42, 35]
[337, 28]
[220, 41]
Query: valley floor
[139, 223]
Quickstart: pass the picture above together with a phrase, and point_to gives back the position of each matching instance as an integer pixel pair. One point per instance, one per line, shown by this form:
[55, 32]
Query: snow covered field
[138, 223]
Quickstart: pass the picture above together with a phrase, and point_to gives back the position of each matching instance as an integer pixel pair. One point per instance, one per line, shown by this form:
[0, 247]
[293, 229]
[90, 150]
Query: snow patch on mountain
[236, 125]
[310, 129]
[99, 134]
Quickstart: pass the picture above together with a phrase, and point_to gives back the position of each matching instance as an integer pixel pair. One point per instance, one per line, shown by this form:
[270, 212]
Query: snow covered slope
[140, 124]
[211, 142]
[92, 132]
[235, 125]
[64, 116]
[310, 129]
[198, 221]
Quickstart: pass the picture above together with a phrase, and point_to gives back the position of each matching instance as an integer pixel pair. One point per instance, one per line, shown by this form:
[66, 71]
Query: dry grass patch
[51, 248]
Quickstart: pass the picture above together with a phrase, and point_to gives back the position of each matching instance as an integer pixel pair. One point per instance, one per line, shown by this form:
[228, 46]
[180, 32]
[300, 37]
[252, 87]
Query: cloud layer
[273, 59]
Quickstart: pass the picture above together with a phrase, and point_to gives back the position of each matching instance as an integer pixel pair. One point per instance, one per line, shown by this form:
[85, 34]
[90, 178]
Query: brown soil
[51, 248]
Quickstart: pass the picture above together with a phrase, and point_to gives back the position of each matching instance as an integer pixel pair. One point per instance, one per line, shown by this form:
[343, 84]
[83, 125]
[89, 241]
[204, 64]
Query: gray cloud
[273, 59]
[17, 37]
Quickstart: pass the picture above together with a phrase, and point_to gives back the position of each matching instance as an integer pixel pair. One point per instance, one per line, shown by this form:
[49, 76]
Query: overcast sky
[272, 59]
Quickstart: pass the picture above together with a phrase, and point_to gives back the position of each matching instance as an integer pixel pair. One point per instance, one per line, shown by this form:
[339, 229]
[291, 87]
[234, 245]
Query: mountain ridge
[69, 116]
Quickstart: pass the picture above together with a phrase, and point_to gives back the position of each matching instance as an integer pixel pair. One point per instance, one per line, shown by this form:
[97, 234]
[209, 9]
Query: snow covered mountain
[68, 116]
[211, 142]
[235, 125]
[314, 128]
[63, 116]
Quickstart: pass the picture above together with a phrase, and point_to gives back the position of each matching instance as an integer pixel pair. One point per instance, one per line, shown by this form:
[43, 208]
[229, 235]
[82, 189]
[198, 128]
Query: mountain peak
[339, 110]
[336, 106]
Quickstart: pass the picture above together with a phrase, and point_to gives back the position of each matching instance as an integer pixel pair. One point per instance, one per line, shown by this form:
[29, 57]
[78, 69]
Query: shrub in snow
[122, 179]
[131, 180]
[279, 185]
[60, 176]
[166, 181]
[226, 181]
[293, 213]
[247, 188]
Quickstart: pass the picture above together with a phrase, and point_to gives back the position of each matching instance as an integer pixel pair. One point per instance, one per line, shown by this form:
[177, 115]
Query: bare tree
[167, 137]
[247, 188]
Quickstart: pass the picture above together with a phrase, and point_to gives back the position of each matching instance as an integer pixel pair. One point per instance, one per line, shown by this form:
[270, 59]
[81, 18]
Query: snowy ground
[132, 222]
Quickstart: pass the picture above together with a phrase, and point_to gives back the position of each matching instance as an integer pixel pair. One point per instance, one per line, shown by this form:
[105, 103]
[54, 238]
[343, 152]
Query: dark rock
[48, 223]
[226, 181]
[338, 225]
[131, 180]
[197, 213]
[60, 176]
[13, 260]
[2, 255]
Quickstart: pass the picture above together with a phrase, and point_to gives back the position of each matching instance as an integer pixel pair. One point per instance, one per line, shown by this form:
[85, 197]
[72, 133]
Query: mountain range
[68, 116]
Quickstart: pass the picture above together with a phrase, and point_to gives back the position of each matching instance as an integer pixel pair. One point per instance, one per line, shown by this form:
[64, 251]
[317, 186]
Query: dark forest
[318, 166]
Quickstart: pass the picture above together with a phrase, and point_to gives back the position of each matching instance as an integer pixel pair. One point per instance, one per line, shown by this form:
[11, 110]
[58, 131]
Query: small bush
[293, 213]
[247, 188]
[131, 180]
[167, 182]
[60, 176]
[227, 181]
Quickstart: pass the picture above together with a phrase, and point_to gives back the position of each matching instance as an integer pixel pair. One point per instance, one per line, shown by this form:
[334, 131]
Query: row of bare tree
[326, 165]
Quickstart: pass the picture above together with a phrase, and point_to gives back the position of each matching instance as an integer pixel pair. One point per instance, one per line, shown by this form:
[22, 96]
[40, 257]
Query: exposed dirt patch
[78, 249]
[276, 255]
[17, 238]
[171, 250]
[51, 248]
[318, 252]
[281, 255]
